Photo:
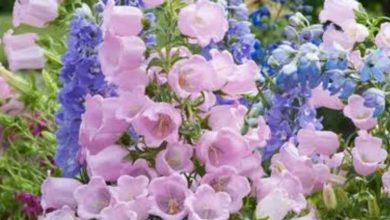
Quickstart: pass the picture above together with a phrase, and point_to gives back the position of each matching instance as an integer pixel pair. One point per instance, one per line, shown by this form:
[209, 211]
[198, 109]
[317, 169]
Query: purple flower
[30, 204]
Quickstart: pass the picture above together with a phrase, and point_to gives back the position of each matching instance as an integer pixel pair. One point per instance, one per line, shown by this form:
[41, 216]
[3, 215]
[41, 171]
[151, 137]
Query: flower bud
[329, 196]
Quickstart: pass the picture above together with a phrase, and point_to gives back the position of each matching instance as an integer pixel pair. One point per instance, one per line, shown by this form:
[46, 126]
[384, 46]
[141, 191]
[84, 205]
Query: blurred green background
[373, 6]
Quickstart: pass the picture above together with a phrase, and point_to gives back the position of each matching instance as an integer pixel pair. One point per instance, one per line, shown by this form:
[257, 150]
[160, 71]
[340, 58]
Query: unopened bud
[329, 196]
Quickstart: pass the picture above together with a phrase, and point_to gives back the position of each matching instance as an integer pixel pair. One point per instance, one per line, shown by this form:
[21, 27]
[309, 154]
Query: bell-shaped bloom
[339, 11]
[5, 90]
[120, 53]
[382, 39]
[258, 137]
[138, 188]
[367, 154]
[128, 80]
[132, 103]
[312, 176]
[168, 195]
[100, 127]
[334, 36]
[108, 163]
[153, 3]
[23, 52]
[93, 198]
[206, 203]
[386, 182]
[157, 123]
[235, 113]
[119, 211]
[140, 168]
[122, 20]
[243, 80]
[58, 192]
[176, 158]
[189, 77]
[65, 213]
[36, 13]
[223, 65]
[360, 115]
[355, 31]
[322, 98]
[141, 206]
[226, 179]
[204, 21]
[222, 147]
[321, 142]
[275, 206]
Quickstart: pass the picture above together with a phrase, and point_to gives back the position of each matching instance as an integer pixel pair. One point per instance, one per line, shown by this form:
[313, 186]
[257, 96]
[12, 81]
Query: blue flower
[336, 82]
[375, 98]
[376, 64]
[288, 76]
[257, 17]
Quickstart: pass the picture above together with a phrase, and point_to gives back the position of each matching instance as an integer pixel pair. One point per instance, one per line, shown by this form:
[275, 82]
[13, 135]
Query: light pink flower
[36, 13]
[243, 79]
[206, 203]
[128, 80]
[333, 36]
[223, 65]
[356, 59]
[226, 179]
[382, 39]
[176, 158]
[367, 154]
[140, 168]
[222, 147]
[274, 206]
[58, 192]
[23, 52]
[355, 31]
[258, 137]
[204, 21]
[122, 20]
[141, 206]
[386, 182]
[132, 103]
[65, 213]
[339, 11]
[108, 163]
[120, 54]
[322, 98]
[138, 189]
[100, 126]
[157, 123]
[153, 3]
[168, 195]
[119, 211]
[218, 115]
[321, 142]
[361, 115]
[93, 198]
[189, 77]
[5, 90]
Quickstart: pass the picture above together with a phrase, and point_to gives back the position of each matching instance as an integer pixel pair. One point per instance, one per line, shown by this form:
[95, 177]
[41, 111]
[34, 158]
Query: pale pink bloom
[386, 182]
[128, 80]
[204, 21]
[153, 3]
[100, 127]
[339, 11]
[93, 198]
[108, 163]
[360, 115]
[356, 59]
[322, 98]
[58, 192]
[274, 206]
[138, 189]
[120, 54]
[334, 161]
[226, 179]
[355, 31]
[320, 142]
[5, 90]
[367, 154]
[243, 79]
[222, 147]
[23, 52]
[333, 36]
[141, 206]
[206, 203]
[132, 103]
[65, 213]
[36, 13]
[122, 20]
[157, 123]
[312, 176]
[210, 100]
[223, 65]
[13, 107]
[382, 39]
[168, 195]
[250, 166]
[119, 211]
[227, 116]
[140, 168]
[258, 137]
[176, 158]
[189, 77]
